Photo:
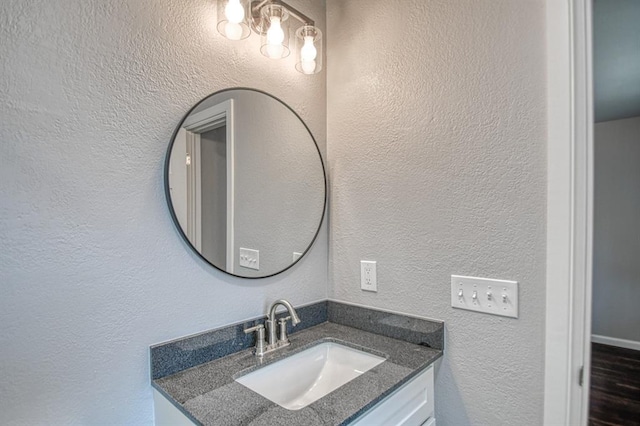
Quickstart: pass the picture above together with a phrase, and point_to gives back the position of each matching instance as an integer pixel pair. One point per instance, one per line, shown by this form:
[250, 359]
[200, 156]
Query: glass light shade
[308, 49]
[233, 19]
[275, 40]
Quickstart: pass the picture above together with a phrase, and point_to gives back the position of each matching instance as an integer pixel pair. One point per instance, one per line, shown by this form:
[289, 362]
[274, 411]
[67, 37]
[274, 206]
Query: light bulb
[234, 12]
[308, 67]
[275, 37]
[308, 52]
[233, 31]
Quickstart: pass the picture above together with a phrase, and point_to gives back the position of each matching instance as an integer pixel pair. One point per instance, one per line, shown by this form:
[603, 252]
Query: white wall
[616, 246]
[437, 154]
[92, 269]
[616, 63]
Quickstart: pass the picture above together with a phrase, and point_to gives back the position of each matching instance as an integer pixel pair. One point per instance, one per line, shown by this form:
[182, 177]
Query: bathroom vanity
[246, 187]
[398, 390]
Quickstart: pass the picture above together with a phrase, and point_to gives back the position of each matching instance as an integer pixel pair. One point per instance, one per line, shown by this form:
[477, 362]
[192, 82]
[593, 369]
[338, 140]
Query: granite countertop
[209, 395]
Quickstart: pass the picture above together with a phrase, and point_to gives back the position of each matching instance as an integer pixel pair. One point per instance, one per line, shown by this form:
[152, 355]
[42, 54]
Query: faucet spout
[295, 319]
[271, 323]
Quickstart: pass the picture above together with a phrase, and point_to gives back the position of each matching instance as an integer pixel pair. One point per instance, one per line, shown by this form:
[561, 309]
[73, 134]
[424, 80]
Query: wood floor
[615, 386]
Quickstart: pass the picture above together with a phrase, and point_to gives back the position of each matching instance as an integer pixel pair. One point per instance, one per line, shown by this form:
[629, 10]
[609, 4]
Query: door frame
[569, 212]
[211, 118]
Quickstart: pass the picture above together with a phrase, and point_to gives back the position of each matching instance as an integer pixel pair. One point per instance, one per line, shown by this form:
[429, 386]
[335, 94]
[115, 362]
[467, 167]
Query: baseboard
[612, 341]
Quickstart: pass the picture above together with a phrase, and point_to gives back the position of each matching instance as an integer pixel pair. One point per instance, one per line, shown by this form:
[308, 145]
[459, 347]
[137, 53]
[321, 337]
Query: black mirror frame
[168, 194]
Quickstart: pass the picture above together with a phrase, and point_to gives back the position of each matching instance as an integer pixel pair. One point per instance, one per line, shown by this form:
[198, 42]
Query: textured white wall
[437, 153]
[616, 244]
[92, 270]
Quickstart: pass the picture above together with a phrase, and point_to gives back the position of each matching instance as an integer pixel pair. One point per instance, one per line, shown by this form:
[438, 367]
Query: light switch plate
[497, 297]
[250, 258]
[368, 279]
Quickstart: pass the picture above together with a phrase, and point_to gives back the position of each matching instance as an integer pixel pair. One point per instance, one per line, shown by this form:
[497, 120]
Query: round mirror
[245, 183]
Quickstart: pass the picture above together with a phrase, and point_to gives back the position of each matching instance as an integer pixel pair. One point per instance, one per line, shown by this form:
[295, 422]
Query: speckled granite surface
[209, 395]
[186, 352]
[401, 327]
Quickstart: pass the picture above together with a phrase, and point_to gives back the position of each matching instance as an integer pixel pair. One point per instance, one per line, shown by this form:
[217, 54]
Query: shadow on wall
[445, 379]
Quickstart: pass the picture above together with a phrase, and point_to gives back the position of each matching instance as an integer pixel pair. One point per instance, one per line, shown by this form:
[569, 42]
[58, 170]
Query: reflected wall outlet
[250, 258]
[368, 280]
[497, 297]
[296, 255]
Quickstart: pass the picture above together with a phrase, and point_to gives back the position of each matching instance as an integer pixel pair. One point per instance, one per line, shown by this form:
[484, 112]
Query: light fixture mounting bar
[296, 13]
[256, 6]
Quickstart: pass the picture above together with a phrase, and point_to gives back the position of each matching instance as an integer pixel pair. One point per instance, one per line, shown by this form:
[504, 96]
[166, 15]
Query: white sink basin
[305, 377]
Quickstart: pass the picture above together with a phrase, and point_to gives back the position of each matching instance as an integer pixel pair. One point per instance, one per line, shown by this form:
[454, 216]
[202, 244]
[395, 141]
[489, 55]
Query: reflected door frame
[211, 118]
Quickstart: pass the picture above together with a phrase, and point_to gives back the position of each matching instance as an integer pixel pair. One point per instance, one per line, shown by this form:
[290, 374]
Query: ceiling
[616, 59]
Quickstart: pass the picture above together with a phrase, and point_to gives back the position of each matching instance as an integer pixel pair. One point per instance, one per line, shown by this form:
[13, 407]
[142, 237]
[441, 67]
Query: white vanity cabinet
[410, 405]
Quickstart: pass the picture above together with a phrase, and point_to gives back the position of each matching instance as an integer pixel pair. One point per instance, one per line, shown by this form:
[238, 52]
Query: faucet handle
[256, 327]
[260, 343]
[282, 322]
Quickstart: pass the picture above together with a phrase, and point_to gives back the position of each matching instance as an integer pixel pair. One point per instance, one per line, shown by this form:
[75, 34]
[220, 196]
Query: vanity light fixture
[273, 21]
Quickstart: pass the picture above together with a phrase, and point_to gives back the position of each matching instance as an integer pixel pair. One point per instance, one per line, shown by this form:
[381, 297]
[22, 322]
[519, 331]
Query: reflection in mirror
[245, 183]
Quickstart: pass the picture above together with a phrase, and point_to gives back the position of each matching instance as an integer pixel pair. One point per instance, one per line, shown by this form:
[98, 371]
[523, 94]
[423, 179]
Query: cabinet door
[411, 405]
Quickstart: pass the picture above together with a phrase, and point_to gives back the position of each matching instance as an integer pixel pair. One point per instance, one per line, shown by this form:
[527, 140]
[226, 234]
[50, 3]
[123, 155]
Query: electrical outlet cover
[368, 279]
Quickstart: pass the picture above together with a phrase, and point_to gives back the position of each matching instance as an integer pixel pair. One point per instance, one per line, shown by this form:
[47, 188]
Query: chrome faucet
[283, 340]
[274, 340]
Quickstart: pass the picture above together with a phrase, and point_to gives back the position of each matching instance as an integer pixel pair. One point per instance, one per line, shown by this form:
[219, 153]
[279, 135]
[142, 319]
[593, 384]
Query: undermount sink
[305, 377]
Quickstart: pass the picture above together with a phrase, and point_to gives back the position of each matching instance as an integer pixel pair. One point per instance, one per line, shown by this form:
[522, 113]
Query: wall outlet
[497, 297]
[250, 258]
[368, 280]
